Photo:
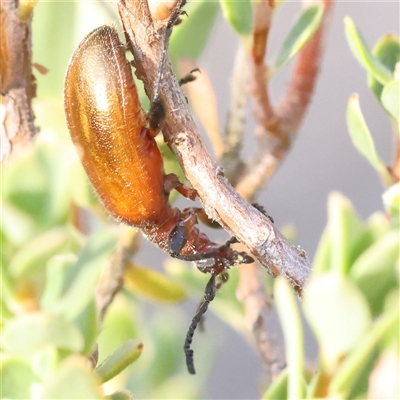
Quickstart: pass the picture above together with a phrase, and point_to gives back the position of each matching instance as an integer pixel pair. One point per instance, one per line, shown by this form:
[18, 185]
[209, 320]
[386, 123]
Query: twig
[17, 83]
[276, 132]
[278, 127]
[112, 278]
[259, 312]
[221, 202]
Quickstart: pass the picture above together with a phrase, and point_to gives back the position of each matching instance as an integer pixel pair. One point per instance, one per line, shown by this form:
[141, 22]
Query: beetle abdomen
[107, 125]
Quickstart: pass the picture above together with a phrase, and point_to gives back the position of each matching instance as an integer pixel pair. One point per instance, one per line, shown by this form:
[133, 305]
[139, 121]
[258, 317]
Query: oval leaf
[362, 139]
[73, 380]
[346, 232]
[302, 31]
[387, 51]
[391, 201]
[338, 314]
[152, 285]
[119, 360]
[239, 14]
[31, 259]
[352, 366]
[32, 332]
[197, 28]
[375, 270]
[16, 378]
[291, 325]
[390, 100]
[364, 56]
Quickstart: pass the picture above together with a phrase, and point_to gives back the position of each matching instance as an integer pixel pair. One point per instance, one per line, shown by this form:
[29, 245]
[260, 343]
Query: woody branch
[220, 200]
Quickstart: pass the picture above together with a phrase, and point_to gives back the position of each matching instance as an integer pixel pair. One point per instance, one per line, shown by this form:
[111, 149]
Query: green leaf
[364, 56]
[348, 236]
[353, 364]
[391, 201]
[83, 276]
[289, 317]
[197, 28]
[278, 388]
[17, 227]
[32, 332]
[46, 361]
[120, 395]
[88, 324]
[374, 271]
[239, 14]
[56, 274]
[390, 100]
[31, 259]
[362, 139]
[322, 258]
[338, 314]
[17, 378]
[119, 326]
[378, 224]
[153, 285]
[73, 380]
[302, 31]
[119, 360]
[387, 51]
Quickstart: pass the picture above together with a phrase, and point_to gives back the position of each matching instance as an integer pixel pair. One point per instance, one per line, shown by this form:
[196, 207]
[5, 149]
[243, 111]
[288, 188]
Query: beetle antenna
[173, 19]
[209, 294]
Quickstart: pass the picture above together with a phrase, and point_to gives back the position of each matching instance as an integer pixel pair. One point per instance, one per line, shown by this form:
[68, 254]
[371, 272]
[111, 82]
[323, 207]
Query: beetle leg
[171, 181]
[190, 77]
[181, 232]
[262, 210]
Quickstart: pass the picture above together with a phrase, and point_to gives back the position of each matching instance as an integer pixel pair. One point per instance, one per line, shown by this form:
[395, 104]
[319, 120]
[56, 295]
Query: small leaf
[88, 324]
[73, 380]
[374, 271]
[305, 26]
[32, 332]
[338, 314]
[387, 51]
[390, 100]
[152, 285]
[239, 14]
[120, 325]
[278, 388]
[291, 325]
[202, 18]
[391, 201]
[119, 360]
[56, 272]
[322, 258]
[83, 276]
[17, 378]
[351, 367]
[32, 257]
[348, 236]
[364, 56]
[120, 395]
[362, 139]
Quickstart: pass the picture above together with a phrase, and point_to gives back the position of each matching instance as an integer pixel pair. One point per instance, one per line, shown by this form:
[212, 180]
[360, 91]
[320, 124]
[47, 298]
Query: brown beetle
[115, 141]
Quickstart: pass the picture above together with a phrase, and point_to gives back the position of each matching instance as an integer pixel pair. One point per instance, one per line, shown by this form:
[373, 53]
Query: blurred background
[322, 159]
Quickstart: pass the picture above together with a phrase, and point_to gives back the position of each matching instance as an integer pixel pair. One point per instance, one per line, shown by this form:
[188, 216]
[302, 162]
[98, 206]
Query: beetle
[114, 138]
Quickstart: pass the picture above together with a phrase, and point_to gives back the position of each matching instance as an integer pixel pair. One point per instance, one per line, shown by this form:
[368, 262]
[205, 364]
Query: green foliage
[351, 300]
[305, 26]
[239, 14]
[54, 344]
